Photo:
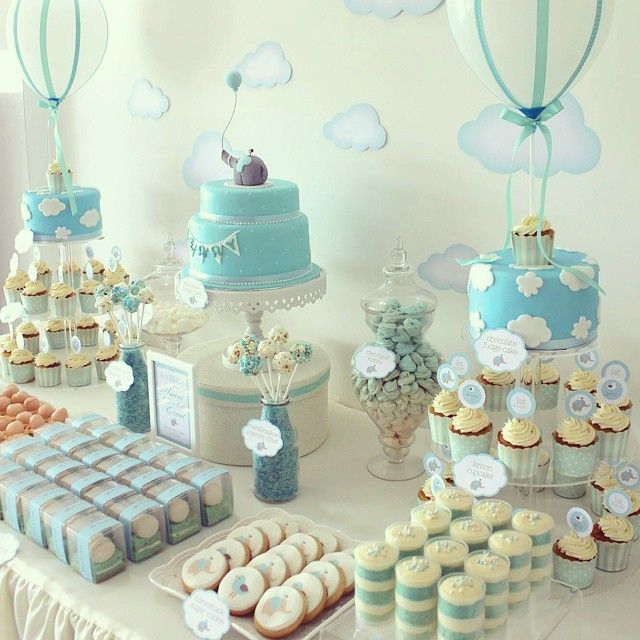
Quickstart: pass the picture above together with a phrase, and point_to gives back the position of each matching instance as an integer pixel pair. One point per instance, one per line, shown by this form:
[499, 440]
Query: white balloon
[74, 43]
[526, 55]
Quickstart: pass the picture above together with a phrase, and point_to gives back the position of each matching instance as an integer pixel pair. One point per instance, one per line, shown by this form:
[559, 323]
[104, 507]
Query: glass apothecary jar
[394, 376]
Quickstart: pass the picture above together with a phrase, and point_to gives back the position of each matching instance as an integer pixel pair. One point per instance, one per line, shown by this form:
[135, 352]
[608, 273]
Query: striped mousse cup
[375, 581]
[493, 569]
[461, 599]
[517, 547]
[538, 527]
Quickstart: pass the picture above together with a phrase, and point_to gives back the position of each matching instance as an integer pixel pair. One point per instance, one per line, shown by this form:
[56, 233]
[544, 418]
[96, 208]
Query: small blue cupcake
[574, 560]
[34, 298]
[78, 368]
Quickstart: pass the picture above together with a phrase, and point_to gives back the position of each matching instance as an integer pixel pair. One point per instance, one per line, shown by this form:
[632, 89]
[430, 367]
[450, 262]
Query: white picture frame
[173, 412]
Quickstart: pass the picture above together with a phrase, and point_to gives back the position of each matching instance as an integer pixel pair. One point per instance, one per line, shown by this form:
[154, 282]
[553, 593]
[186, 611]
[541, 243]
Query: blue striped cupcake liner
[568, 487]
[596, 500]
[463, 445]
[521, 463]
[612, 446]
[612, 556]
[526, 252]
[546, 395]
[496, 396]
[575, 462]
[439, 428]
[575, 573]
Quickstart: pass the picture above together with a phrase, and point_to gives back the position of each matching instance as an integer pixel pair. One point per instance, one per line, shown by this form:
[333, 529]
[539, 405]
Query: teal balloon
[234, 80]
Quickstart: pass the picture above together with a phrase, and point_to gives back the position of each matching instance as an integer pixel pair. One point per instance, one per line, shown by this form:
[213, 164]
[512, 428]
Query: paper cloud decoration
[90, 218]
[391, 8]
[490, 139]
[147, 101]
[266, 67]
[205, 164]
[51, 207]
[442, 270]
[358, 128]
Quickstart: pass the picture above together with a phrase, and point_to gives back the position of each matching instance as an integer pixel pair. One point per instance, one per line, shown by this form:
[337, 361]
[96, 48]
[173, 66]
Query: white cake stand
[253, 304]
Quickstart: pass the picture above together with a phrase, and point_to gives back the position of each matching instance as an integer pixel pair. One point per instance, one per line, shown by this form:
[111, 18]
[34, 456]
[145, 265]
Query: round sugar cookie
[241, 589]
[330, 576]
[273, 530]
[272, 567]
[280, 612]
[344, 561]
[293, 557]
[328, 541]
[252, 537]
[237, 553]
[314, 591]
[309, 546]
[203, 570]
[178, 510]
[101, 549]
[145, 526]
[289, 525]
[212, 494]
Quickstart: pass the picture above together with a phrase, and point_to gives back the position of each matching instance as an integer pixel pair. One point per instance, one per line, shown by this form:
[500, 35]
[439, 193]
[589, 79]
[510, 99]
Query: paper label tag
[119, 375]
[88, 270]
[613, 390]
[460, 364]
[618, 503]
[80, 421]
[36, 252]
[580, 522]
[447, 377]
[9, 545]
[500, 350]
[480, 474]
[521, 403]
[44, 343]
[205, 615]
[580, 404]
[106, 338]
[76, 345]
[32, 272]
[616, 369]
[628, 476]
[13, 264]
[20, 341]
[192, 293]
[433, 465]
[374, 361]
[262, 438]
[35, 530]
[437, 483]
[116, 254]
[587, 360]
[472, 394]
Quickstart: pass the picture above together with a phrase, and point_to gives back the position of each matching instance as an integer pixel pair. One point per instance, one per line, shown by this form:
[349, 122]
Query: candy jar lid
[162, 280]
[401, 290]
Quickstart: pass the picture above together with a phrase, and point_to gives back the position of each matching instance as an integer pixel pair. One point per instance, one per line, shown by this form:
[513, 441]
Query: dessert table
[40, 598]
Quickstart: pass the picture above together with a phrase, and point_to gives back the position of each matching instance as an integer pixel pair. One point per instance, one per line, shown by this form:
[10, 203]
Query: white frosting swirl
[446, 403]
[529, 226]
[611, 417]
[615, 528]
[470, 420]
[572, 545]
[521, 432]
[582, 381]
[545, 374]
[501, 378]
[577, 432]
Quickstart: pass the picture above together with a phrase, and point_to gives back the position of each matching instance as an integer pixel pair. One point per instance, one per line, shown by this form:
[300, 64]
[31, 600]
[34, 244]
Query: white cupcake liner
[612, 445]
[48, 376]
[87, 302]
[32, 343]
[63, 307]
[88, 337]
[521, 463]
[56, 339]
[596, 500]
[35, 305]
[439, 428]
[11, 295]
[74, 280]
[101, 367]
[46, 279]
[547, 396]
[496, 396]
[22, 373]
[79, 377]
[612, 556]
[526, 252]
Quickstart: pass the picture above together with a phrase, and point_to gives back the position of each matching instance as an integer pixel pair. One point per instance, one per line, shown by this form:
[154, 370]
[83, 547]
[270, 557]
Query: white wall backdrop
[420, 185]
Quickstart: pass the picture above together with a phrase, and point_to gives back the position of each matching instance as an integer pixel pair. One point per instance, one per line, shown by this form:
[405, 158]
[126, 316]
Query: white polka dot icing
[241, 589]
[328, 541]
[236, 552]
[313, 589]
[280, 611]
[204, 570]
[347, 564]
[330, 576]
[272, 567]
[252, 537]
[309, 546]
[293, 557]
[272, 529]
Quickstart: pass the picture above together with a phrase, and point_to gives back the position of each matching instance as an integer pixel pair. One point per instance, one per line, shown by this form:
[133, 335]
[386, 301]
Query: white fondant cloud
[147, 101]
[481, 276]
[476, 324]
[25, 213]
[205, 164]
[391, 8]
[573, 282]
[529, 284]
[532, 329]
[490, 139]
[51, 207]
[63, 233]
[266, 67]
[90, 218]
[358, 128]
[581, 328]
[443, 272]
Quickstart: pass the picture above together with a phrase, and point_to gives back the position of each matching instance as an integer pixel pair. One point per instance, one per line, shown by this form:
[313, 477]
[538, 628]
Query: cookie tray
[167, 577]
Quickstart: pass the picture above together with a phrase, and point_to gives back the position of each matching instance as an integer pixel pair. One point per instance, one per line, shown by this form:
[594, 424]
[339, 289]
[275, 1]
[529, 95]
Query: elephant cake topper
[248, 170]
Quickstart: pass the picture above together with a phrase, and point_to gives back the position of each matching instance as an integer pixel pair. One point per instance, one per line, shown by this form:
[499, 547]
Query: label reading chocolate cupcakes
[374, 361]
[206, 615]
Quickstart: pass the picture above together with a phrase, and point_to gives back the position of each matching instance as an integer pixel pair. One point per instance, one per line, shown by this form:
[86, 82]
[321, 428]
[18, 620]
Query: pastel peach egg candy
[31, 403]
[14, 428]
[24, 417]
[46, 410]
[20, 397]
[14, 409]
[36, 421]
[59, 415]
[10, 390]
[5, 421]
[4, 403]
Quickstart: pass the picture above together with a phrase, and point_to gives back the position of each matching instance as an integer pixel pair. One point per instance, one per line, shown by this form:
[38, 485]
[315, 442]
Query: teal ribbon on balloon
[53, 106]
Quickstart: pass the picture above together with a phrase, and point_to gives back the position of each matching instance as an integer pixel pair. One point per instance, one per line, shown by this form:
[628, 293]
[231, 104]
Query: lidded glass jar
[395, 376]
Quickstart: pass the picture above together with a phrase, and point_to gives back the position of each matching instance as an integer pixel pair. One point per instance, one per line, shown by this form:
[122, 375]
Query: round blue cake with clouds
[550, 307]
[250, 238]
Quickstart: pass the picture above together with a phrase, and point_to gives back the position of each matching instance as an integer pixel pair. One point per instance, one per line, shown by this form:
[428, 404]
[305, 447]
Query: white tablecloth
[40, 598]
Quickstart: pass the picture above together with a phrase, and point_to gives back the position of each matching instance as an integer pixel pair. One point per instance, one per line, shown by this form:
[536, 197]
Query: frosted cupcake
[44, 272]
[13, 286]
[519, 443]
[634, 516]
[524, 239]
[78, 368]
[441, 411]
[98, 270]
[31, 336]
[613, 536]
[457, 500]
[8, 346]
[581, 380]
[517, 547]
[624, 404]
[54, 330]
[448, 552]
[34, 298]
[497, 513]
[62, 299]
[575, 445]
[87, 295]
[118, 276]
[48, 370]
[613, 428]
[87, 331]
[472, 531]
[497, 385]
[21, 366]
[538, 527]
[470, 432]
[72, 274]
[103, 358]
[425, 493]
[545, 382]
[434, 519]
[603, 479]
[574, 560]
